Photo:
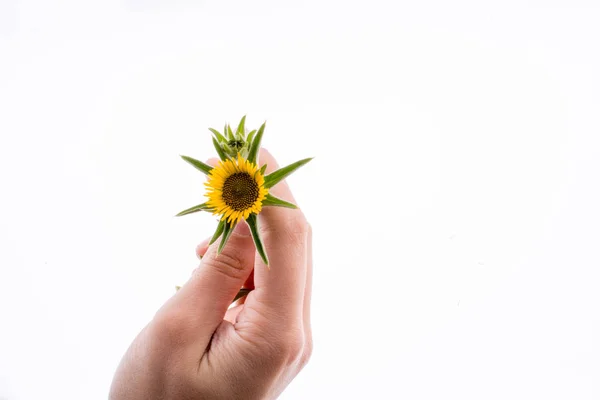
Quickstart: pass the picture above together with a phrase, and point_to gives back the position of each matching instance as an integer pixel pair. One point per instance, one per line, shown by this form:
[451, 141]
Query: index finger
[284, 231]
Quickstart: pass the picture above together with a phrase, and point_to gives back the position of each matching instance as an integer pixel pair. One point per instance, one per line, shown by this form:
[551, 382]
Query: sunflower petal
[191, 210]
[275, 177]
[271, 200]
[253, 153]
[218, 232]
[228, 229]
[219, 150]
[260, 248]
[198, 164]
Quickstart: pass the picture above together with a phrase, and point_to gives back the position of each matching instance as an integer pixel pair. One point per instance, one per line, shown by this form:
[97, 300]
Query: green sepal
[240, 294]
[271, 200]
[198, 164]
[218, 232]
[229, 132]
[191, 210]
[275, 177]
[218, 135]
[219, 150]
[241, 129]
[250, 137]
[255, 145]
[260, 248]
[227, 230]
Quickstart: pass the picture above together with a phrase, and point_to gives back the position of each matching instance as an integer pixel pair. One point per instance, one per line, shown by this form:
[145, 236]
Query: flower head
[237, 188]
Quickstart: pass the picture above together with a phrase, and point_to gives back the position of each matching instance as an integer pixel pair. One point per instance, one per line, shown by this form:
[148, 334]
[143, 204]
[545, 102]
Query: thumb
[202, 302]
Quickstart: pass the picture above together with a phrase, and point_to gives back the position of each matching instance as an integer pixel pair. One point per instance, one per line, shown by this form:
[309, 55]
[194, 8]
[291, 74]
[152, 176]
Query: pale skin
[196, 347]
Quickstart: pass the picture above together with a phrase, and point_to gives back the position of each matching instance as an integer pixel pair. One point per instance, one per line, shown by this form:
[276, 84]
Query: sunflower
[237, 188]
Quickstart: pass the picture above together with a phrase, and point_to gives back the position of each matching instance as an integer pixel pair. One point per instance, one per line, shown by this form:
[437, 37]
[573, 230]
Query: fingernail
[242, 229]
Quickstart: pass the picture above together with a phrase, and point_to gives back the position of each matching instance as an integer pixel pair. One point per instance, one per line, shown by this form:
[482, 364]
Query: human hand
[196, 347]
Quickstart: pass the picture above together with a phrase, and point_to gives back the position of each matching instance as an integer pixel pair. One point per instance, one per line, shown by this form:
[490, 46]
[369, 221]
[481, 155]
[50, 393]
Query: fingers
[307, 299]
[213, 161]
[199, 306]
[202, 248]
[233, 312]
[282, 292]
[193, 314]
[281, 287]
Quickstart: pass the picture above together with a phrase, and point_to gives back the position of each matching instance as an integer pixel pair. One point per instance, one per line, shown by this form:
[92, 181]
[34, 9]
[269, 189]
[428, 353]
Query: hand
[197, 348]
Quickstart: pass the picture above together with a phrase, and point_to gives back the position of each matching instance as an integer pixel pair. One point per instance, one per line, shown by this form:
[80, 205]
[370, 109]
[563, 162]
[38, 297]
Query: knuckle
[295, 228]
[227, 263]
[289, 348]
[283, 348]
[297, 225]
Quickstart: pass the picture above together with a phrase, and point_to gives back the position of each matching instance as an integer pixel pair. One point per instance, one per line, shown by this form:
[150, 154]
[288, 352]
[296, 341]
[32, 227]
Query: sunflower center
[240, 191]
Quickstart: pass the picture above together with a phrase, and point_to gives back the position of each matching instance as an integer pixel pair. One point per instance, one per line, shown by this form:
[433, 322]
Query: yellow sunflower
[235, 189]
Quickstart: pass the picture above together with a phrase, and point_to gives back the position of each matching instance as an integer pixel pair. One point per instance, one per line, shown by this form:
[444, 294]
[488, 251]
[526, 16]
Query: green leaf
[229, 132]
[241, 293]
[260, 248]
[271, 200]
[218, 135]
[218, 232]
[191, 210]
[250, 137]
[241, 129]
[228, 229]
[275, 177]
[219, 150]
[198, 164]
[255, 146]
[263, 169]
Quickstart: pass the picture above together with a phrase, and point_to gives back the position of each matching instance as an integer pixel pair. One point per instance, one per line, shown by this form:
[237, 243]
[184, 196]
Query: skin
[196, 347]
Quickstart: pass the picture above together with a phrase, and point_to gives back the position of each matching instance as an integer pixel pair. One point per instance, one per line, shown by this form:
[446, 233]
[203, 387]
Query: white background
[454, 195]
